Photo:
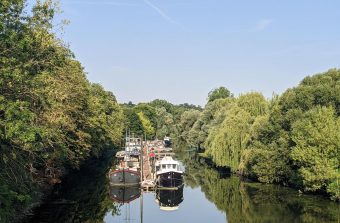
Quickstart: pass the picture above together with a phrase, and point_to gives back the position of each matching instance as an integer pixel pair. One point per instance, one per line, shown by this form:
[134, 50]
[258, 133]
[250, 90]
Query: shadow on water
[82, 197]
[254, 202]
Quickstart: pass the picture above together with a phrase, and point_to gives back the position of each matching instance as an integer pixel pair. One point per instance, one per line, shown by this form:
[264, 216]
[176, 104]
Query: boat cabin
[167, 164]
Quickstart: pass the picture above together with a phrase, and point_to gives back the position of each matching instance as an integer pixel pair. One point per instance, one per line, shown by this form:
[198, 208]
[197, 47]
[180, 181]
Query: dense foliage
[155, 119]
[242, 201]
[51, 117]
[292, 139]
[218, 93]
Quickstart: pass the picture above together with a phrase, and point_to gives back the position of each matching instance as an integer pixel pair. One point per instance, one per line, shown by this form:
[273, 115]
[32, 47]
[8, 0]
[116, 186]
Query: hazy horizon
[180, 50]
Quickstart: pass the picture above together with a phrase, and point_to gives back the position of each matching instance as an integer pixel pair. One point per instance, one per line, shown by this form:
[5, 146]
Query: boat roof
[168, 160]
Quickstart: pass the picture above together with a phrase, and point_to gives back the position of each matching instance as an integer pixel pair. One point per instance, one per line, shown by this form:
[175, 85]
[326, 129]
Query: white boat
[168, 172]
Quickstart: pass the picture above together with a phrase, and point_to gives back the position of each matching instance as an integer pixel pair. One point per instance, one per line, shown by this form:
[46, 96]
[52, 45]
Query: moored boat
[168, 172]
[127, 172]
[124, 177]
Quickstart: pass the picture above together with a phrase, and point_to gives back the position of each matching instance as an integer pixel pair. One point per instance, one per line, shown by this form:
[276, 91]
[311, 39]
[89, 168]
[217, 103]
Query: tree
[186, 123]
[51, 118]
[219, 93]
[317, 150]
[227, 141]
[147, 126]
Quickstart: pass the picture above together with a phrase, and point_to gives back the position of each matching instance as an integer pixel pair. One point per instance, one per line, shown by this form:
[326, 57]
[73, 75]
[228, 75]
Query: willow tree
[226, 141]
[232, 131]
[209, 117]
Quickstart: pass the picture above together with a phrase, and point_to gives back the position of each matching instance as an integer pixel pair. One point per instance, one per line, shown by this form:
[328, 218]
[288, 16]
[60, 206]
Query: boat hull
[170, 179]
[124, 177]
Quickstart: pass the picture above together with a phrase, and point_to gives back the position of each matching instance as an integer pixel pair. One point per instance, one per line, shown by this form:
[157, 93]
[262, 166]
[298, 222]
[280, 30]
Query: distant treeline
[292, 139]
[51, 117]
[155, 119]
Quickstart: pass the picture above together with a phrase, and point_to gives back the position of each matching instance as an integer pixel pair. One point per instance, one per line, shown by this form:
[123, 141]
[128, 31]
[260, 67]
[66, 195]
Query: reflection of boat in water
[169, 200]
[168, 172]
[124, 195]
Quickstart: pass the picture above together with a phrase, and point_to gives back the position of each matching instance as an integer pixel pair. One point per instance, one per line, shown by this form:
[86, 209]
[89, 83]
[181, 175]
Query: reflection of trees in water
[82, 197]
[255, 202]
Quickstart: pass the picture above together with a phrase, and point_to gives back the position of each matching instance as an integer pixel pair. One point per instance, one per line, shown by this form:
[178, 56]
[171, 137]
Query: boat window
[163, 166]
[169, 166]
[174, 166]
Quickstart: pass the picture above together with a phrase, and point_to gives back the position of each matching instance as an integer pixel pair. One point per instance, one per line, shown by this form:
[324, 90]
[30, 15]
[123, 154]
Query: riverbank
[202, 158]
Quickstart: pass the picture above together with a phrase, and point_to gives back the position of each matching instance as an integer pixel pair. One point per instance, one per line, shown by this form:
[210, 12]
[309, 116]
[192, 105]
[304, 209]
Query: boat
[167, 141]
[124, 195]
[127, 171]
[169, 200]
[168, 172]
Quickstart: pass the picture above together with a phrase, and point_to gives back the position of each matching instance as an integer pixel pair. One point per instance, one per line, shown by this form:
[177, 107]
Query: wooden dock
[148, 177]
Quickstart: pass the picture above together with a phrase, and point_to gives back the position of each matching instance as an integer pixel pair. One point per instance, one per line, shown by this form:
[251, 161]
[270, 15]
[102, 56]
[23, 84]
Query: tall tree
[219, 93]
[317, 150]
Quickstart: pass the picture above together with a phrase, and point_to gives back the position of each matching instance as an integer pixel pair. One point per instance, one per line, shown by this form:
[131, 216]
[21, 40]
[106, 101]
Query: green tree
[317, 150]
[186, 123]
[219, 93]
[147, 126]
[51, 117]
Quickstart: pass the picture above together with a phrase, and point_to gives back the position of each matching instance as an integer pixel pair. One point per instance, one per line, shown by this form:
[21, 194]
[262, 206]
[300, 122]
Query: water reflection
[210, 196]
[124, 195]
[243, 201]
[82, 197]
[169, 200]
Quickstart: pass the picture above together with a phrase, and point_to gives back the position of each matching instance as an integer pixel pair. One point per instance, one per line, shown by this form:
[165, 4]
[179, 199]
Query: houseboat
[168, 172]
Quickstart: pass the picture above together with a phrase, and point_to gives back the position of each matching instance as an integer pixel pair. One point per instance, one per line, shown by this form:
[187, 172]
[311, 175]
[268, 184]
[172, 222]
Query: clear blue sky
[179, 50]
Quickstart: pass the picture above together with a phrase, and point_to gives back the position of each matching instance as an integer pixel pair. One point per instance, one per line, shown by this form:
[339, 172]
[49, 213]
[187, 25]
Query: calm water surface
[208, 196]
[195, 208]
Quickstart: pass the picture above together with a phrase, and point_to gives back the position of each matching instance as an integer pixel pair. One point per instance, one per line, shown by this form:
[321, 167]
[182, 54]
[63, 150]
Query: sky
[179, 50]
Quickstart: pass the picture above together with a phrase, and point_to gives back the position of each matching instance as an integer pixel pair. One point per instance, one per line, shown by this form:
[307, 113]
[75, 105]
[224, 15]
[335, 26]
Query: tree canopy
[291, 139]
[51, 117]
[218, 93]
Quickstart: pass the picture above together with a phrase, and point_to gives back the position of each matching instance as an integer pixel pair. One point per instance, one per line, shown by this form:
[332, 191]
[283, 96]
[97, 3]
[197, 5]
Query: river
[208, 196]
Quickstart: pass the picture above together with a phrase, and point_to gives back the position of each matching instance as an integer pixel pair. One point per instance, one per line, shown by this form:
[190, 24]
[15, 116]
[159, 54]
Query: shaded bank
[243, 201]
[82, 197]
